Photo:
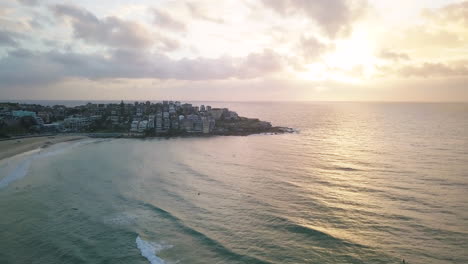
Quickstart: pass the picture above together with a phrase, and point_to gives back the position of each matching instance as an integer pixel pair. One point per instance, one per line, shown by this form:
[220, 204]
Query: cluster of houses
[173, 117]
[148, 118]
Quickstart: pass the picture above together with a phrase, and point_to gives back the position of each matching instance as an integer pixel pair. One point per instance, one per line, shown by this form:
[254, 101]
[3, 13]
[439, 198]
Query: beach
[9, 148]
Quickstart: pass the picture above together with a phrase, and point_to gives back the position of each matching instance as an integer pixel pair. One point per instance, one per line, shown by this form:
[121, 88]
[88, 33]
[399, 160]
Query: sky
[234, 50]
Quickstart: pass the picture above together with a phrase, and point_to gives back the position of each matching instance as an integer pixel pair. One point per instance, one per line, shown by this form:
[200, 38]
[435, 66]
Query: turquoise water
[359, 183]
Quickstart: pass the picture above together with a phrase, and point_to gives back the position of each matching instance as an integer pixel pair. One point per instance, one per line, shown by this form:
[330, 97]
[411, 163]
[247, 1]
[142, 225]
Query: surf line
[150, 249]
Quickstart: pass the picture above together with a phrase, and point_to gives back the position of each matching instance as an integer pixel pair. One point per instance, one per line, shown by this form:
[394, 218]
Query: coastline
[16, 146]
[13, 147]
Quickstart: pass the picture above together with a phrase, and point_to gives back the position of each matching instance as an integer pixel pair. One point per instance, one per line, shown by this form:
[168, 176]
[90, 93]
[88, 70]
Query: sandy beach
[9, 148]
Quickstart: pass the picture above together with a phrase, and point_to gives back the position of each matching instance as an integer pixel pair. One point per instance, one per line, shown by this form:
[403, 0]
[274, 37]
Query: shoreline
[13, 147]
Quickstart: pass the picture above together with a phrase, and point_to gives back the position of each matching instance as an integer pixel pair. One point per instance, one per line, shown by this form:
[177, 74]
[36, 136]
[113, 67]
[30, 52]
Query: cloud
[166, 21]
[29, 2]
[259, 64]
[22, 67]
[433, 70]
[418, 36]
[311, 48]
[199, 13]
[8, 38]
[449, 14]
[111, 31]
[439, 32]
[392, 55]
[333, 16]
[428, 70]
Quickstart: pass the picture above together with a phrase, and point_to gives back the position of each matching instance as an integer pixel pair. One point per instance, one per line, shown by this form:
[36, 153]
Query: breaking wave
[19, 172]
[150, 249]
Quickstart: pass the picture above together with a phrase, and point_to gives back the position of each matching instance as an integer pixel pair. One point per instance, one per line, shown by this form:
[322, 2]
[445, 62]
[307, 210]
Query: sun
[352, 61]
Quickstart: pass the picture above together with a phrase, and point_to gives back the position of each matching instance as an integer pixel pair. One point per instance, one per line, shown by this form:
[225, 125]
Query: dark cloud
[8, 38]
[311, 48]
[111, 31]
[333, 16]
[22, 67]
[393, 56]
[166, 21]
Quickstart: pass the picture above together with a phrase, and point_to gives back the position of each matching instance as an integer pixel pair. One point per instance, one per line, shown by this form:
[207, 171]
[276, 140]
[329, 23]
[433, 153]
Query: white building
[76, 123]
[142, 126]
[134, 126]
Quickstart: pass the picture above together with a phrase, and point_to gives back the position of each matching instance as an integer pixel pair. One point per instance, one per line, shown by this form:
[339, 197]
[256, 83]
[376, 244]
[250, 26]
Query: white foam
[120, 219]
[19, 172]
[150, 249]
[63, 147]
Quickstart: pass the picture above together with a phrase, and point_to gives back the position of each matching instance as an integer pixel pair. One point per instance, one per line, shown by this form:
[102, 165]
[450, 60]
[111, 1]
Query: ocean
[358, 183]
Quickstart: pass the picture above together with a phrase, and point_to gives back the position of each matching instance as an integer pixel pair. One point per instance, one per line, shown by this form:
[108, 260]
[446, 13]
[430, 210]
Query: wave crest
[150, 249]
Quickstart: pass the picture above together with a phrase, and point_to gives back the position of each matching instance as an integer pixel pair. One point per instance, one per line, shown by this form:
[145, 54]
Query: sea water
[359, 183]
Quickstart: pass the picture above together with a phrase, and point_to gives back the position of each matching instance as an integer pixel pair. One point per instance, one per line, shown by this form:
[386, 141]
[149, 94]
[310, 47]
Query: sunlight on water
[361, 183]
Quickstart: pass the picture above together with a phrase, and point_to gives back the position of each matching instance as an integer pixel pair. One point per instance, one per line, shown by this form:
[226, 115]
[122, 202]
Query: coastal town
[138, 119]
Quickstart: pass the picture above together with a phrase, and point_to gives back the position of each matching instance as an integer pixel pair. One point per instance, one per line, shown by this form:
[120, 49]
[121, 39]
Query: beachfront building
[22, 113]
[76, 123]
[115, 120]
[46, 116]
[39, 120]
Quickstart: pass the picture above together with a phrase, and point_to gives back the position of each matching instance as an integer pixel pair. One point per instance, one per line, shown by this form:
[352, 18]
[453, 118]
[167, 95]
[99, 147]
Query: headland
[30, 125]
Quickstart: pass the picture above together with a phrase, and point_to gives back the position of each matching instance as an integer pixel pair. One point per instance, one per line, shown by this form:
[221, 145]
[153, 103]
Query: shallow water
[360, 183]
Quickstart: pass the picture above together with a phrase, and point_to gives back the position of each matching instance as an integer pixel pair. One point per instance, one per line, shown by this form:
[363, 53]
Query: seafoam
[149, 250]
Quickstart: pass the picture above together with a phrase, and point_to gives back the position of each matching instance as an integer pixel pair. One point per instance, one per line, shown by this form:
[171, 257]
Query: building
[187, 108]
[231, 115]
[22, 113]
[114, 120]
[217, 113]
[158, 123]
[45, 116]
[172, 109]
[76, 123]
[134, 126]
[166, 124]
[187, 125]
[39, 120]
[151, 120]
[142, 126]
[205, 125]
[52, 128]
